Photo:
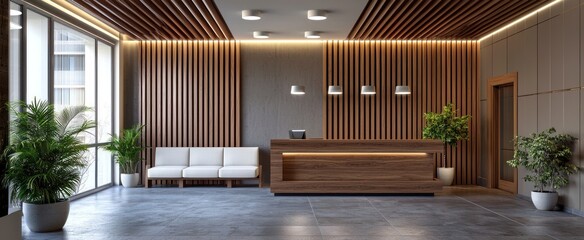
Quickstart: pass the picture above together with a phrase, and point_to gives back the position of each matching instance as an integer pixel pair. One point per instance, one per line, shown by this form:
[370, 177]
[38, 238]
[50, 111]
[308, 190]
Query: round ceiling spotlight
[316, 15]
[261, 34]
[251, 15]
[311, 34]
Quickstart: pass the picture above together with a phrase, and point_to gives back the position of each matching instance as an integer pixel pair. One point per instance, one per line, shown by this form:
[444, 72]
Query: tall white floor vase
[446, 175]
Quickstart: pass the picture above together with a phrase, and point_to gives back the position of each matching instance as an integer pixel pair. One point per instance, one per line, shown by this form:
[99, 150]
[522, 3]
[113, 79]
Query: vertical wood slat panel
[438, 72]
[189, 94]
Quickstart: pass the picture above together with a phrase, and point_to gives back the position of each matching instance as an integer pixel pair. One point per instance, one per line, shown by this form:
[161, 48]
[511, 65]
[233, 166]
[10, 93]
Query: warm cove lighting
[297, 90]
[250, 15]
[311, 34]
[368, 90]
[335, 90]
[316, 15]
[261, 34]
[520, 19]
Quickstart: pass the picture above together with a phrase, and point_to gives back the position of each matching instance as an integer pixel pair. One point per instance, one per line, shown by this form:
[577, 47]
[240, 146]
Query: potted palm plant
[45, 156]
[547, 155]
[448, 128]
[126, 150]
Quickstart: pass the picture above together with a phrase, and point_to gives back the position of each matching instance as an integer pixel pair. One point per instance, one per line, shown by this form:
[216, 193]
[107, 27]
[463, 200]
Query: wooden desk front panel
[357, 166]
[353, 166]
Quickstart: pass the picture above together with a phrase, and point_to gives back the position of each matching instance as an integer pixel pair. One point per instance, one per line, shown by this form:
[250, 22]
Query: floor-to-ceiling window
[68, 66]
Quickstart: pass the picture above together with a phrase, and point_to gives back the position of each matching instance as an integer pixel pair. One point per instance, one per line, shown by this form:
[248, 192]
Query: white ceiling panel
[287, 19]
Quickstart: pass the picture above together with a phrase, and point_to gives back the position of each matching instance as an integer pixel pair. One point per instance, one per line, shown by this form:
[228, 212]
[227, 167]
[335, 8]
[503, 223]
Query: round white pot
[446, 175]
[544, 200]
[130, 180]
[46, 217]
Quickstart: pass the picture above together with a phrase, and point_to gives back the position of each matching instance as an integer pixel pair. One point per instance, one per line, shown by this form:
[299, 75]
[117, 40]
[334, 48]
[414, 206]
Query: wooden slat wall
[189, 94]
[438, 72]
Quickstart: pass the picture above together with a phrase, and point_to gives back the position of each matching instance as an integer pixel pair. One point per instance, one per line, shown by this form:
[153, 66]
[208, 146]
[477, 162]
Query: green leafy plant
[447, 127]
[126, 149]
[45, 155]
[547, 155]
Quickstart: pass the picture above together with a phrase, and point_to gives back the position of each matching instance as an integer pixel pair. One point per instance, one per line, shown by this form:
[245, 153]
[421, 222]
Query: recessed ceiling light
[260, 34]
[311, 34]
[15, 12]
[316, 15]
[250, 15]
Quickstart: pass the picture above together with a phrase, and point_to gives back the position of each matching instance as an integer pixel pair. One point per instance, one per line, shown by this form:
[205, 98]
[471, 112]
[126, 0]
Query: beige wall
[545, 49]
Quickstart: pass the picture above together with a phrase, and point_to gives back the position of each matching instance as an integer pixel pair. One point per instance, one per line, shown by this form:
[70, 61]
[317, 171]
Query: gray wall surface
[268, 110]
[545, 49]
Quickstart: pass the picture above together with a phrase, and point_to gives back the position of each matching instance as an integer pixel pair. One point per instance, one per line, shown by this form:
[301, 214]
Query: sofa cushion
[206, 156]
[201, 172]
[171, 156]
[241, 156]
[238, 172]
[166, 172]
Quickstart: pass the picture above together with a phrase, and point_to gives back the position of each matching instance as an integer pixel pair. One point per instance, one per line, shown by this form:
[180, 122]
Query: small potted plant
[448, 128]
[126, 151]
[547, 156]
[45, 158]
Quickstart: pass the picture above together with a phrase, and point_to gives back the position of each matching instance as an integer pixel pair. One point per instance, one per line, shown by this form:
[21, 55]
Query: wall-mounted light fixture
[297, 90]
[14, 26]
[335, 90]
[261, 34]
[311, 34]
[402, 90]
[14, 12]
[316, 15]
[251, 15]
[368, 90]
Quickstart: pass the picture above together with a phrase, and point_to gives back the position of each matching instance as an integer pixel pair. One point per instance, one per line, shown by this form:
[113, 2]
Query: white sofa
[205, 163]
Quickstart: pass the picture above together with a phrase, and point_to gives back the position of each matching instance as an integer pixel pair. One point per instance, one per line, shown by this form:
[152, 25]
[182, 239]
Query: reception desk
[353, 166]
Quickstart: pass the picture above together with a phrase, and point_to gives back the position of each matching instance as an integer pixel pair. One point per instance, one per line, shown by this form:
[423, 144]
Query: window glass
[14, 50]
[37, 56]
[104, 167]
[74, 73]
[88, 174]
[104, 91]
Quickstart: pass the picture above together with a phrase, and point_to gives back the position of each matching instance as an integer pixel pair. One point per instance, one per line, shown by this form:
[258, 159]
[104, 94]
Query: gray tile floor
[246, 213]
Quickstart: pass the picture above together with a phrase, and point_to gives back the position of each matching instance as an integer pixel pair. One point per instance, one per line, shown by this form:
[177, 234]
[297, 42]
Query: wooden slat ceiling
[160, 19]
[437, 19]
[380, 20]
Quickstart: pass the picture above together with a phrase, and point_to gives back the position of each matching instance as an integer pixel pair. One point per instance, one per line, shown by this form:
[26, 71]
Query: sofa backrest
[172, 156]
[240, 156]
[206, 156]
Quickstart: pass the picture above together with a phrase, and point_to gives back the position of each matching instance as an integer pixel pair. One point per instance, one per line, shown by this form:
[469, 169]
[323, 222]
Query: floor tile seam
[378, 211]
[315, 218]
[496, 213]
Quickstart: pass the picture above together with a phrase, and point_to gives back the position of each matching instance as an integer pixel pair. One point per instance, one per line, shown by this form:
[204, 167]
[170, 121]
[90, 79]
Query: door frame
[493, 126]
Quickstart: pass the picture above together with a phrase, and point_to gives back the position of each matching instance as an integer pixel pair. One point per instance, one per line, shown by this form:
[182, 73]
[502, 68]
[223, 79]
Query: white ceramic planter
[130, 180]
[46, 217]
[11, 226]
[544, 200]
[446, 175]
